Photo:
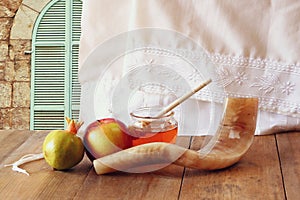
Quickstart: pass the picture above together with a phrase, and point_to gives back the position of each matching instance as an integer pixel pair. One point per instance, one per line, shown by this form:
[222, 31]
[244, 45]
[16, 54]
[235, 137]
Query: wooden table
[269, 170]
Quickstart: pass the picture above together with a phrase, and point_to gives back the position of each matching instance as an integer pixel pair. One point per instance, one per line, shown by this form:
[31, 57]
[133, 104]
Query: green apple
[106, 136]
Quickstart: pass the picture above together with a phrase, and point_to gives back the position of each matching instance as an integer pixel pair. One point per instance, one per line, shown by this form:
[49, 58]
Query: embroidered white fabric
[253, 50]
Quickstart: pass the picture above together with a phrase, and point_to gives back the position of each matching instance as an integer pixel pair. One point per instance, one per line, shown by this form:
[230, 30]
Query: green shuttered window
[55, 90]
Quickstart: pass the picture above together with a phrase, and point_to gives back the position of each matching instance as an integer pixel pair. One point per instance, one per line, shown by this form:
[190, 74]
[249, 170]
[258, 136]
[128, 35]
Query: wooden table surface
[269, 170]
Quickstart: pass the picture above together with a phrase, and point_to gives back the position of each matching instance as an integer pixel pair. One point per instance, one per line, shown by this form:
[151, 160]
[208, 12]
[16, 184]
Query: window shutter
[55, 91]
[76, 32]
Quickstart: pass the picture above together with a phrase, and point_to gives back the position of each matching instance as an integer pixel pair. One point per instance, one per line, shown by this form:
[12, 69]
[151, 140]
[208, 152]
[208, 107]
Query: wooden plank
[162, 184]
[256, 176]
[43, 182]
[11, 140]
[289, 151]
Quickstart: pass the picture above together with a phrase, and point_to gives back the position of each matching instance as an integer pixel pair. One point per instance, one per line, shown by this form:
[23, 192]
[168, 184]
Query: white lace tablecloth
[254, 48]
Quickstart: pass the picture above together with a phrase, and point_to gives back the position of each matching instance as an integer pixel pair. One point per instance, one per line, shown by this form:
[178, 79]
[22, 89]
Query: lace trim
[257, 63]
[272, 81]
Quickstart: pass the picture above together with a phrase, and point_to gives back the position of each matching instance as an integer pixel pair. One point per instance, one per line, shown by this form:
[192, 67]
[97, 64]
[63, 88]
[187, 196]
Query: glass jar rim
[148, 116]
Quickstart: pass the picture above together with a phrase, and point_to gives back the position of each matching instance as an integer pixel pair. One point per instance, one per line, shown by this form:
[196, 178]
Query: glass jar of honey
[146, 127]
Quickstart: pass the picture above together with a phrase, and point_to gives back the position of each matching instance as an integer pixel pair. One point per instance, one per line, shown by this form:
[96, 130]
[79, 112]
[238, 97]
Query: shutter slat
[75, 83]
[49, 120]
[76, 23]
[53, 23]
[49, 76]
[76, 32]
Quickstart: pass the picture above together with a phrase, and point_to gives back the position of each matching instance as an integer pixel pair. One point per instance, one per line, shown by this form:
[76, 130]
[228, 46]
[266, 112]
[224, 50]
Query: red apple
[106, 136]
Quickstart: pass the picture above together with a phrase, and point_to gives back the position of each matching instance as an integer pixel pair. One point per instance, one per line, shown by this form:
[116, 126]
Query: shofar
[230, 143]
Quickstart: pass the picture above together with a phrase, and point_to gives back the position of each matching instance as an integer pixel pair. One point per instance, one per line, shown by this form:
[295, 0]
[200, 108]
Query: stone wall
[17, 19]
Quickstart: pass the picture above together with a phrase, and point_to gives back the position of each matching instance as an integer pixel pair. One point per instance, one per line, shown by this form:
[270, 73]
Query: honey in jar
[146, 127]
